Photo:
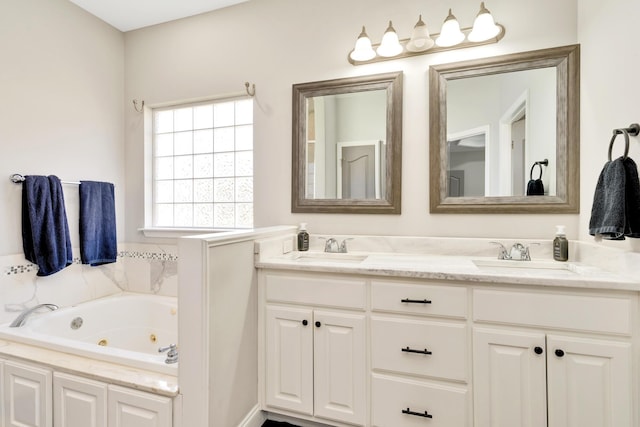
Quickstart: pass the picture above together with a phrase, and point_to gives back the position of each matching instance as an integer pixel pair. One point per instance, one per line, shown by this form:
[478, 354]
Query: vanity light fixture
[484, 28]
[450, 34]
[420, 38]
[390, 45]
[484, 31]
[363, 50]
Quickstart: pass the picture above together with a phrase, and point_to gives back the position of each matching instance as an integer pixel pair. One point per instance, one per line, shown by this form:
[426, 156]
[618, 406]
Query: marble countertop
[111, 373]
[454, 268]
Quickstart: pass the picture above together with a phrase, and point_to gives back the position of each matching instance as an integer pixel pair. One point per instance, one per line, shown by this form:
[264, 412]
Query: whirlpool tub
[126, 328]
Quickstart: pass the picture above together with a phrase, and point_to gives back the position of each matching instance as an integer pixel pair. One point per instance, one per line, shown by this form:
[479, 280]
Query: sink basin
[499, 265]
[326, 257]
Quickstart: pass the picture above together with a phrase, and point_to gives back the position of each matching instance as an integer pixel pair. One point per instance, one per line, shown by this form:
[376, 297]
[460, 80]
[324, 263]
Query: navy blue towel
[45, 231]
[98, 243]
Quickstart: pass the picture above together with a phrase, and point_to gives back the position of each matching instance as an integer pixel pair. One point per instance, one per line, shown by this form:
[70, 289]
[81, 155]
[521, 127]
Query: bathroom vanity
[393, 339]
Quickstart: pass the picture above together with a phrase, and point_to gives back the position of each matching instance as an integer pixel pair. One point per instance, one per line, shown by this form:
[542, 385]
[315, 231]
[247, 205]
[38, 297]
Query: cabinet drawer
[447, 406]
[402, 297]
[447, 343]
[319, 291]
[575, 312]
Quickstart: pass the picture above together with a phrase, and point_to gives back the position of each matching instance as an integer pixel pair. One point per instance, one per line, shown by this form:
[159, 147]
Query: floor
[270, 423]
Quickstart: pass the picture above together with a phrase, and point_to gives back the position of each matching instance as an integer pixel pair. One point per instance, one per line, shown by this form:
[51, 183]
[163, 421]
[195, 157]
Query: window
[203, 165]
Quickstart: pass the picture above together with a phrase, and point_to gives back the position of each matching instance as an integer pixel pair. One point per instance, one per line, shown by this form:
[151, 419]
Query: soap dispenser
[560, 245]
[303, 238]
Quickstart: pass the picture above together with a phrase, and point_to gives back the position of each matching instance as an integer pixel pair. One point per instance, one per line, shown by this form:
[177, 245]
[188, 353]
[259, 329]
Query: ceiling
[127, 15]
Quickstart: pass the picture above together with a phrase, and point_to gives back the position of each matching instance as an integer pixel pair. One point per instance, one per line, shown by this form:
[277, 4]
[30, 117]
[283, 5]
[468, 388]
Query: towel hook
[252, 91]
[135, 105]
[617, 132]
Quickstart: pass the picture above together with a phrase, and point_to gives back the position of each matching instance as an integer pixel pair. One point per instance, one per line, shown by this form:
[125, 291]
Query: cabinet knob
[559, 353]
[538, 350]
[318, 324]
[305, 322]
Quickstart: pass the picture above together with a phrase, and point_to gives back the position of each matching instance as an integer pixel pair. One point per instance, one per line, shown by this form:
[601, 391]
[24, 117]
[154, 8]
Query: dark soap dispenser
[303, 238]
[560, 245]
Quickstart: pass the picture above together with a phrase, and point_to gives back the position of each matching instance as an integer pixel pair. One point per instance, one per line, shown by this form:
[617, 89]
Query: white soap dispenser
[560, 245]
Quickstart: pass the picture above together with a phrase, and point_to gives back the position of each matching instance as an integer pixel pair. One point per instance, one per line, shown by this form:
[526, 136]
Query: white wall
[276, 43]
[609, 33]
[61, 109]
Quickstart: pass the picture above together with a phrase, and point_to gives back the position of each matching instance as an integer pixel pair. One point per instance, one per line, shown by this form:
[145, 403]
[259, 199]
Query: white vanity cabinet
[405, 352]
[315, 347]
[553, 359]
[27, 395]
[419, 354]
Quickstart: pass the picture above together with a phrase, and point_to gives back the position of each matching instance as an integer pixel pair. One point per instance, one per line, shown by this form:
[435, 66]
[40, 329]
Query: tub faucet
[22, 317]
[172, 353]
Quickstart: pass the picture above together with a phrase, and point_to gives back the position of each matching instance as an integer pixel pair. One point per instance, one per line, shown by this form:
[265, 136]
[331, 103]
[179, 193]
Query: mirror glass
[504, 133]
[347, 145]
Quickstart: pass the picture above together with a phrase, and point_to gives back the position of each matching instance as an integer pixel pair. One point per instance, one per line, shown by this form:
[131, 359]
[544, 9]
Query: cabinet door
[78, 402]
[509, 377]
[289, 359]
[131, 408]
[27, 396]
[340, 366]
[590, 382]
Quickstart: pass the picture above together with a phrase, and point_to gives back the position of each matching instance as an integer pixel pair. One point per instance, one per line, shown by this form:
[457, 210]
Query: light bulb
[484, 28]
[450, 34]
[390, 45]
[362, 50]
[420, 38]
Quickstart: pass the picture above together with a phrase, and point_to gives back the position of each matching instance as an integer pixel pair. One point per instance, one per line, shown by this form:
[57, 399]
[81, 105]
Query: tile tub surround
[141, 268]
[451, 259]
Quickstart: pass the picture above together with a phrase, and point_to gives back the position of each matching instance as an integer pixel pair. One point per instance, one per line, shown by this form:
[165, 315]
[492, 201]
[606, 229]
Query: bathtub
[126, 328]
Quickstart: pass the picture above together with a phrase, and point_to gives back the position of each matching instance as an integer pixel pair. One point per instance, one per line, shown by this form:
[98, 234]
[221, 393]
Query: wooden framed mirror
[498, 123]
[347, 145]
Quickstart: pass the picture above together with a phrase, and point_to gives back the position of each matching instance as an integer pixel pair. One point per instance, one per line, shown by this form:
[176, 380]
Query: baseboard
[255, 418]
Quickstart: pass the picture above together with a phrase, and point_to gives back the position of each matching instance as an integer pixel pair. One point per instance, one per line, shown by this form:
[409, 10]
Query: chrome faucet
[22, 317]
[518, 252]
[332, 246]
[172, 353]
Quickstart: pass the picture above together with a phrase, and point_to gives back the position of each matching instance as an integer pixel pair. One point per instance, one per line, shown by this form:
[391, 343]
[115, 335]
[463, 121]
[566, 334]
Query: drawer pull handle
[416, 301]
[408, 411]
[559, 353]
[410, 350]
[305, 322]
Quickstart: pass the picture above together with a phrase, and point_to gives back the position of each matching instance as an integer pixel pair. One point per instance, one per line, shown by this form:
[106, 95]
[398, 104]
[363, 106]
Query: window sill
[179, 232]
